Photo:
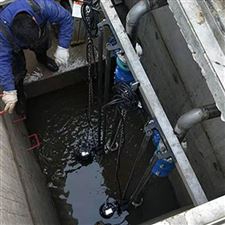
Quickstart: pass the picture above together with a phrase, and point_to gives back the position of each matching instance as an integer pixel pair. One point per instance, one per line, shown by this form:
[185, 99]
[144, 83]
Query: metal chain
[90, 59]
[124, 116]
[90, 79]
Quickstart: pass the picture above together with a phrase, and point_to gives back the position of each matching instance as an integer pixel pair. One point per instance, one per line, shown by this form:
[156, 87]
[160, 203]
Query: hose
[124, 97]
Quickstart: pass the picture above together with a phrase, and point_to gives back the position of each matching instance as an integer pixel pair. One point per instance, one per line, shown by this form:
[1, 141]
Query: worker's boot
[48, 62]
[21, 104]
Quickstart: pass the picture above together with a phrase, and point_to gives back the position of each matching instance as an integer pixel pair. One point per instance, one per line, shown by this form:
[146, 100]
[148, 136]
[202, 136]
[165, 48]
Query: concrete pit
[69, 193]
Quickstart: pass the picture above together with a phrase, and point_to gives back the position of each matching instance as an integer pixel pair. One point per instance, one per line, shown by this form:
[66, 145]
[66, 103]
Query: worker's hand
[61, 56]
[10, 99]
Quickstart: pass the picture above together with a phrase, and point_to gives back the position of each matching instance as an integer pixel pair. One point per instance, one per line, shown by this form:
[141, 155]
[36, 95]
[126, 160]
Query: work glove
[61, 56]
[10, 99]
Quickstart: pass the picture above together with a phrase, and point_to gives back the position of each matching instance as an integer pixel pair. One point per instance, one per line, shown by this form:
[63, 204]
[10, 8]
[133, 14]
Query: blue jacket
[50, 11]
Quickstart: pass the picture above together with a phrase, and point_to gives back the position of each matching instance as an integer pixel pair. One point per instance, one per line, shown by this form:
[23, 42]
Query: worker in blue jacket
[24, 24]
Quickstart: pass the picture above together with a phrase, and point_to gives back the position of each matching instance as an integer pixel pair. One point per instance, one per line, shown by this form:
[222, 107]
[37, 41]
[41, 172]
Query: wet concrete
[79, 190]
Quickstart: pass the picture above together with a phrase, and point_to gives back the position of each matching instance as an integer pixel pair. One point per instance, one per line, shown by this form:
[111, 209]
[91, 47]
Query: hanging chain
[87, 14]
[124, 116]
[90, 78]
[89, 60]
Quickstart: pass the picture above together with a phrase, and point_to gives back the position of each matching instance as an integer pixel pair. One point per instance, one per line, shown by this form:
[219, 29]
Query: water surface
[60, 118]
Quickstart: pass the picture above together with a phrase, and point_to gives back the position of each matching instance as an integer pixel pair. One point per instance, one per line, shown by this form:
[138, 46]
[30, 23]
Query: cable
[143, 148]
[121, 142]
[144, 180]
[124, 97]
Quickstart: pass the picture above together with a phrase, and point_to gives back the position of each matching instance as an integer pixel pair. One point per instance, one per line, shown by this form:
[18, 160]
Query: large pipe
[135, 14]
[193, 117]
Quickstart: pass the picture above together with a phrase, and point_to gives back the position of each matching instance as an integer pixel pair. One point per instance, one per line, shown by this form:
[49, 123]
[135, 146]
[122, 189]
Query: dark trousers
[19, 62]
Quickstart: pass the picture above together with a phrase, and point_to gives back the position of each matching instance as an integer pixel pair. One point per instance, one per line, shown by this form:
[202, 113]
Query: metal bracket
[37, 144]
[112, 48]
[164, 152]
[20, 119]
[135, 86]
[106, 23]
[103, 23]
[148, 128]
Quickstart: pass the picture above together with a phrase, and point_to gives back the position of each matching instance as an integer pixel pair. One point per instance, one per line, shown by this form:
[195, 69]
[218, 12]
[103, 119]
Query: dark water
[79, 190]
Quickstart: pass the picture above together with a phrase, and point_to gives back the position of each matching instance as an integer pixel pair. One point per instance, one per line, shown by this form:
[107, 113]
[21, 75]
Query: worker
[24, 24]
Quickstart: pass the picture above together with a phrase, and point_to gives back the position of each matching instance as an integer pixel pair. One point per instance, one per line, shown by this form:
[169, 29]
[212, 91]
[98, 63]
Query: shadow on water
[78, 191]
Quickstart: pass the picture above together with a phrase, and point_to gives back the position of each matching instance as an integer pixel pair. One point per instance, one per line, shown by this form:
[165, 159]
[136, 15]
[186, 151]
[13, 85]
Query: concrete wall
[180, 86]
[24, 197]
[212, 212]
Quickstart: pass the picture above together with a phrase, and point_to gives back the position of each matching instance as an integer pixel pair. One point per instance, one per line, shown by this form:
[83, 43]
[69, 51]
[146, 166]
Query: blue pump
[162, 167]
[122, 72]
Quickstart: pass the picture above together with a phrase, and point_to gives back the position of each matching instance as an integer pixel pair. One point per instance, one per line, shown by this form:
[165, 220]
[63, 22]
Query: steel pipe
[193, 117]
[135, 14]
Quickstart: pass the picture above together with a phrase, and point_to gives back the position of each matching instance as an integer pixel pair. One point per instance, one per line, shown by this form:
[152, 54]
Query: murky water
[78, 191]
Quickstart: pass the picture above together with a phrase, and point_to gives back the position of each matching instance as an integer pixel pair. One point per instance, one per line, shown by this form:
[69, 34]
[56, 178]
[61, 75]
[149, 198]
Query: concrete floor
[39, 79]
[38, 72]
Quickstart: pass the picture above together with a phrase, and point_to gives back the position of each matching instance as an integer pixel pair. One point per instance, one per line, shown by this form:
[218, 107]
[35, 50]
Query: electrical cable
[144, 180]
[143, 148]
[121, 142]
[124, 99]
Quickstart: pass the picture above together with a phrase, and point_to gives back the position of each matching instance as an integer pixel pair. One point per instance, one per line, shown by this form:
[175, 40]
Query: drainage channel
[79, 189]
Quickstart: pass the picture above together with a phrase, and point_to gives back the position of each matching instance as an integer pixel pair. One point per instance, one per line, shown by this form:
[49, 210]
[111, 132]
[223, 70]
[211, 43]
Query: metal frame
[182, 164]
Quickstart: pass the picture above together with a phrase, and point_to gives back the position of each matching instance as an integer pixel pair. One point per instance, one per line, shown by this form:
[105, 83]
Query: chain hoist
[89, 12]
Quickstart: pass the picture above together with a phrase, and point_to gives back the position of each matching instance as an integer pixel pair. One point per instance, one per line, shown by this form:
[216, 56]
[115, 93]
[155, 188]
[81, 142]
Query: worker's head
[26, 29]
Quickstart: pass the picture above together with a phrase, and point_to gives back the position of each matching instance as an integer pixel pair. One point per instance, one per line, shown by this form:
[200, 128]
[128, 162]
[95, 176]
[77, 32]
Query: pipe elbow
[188, 120]
[137, 11]
[193, 117]
[134, 15]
